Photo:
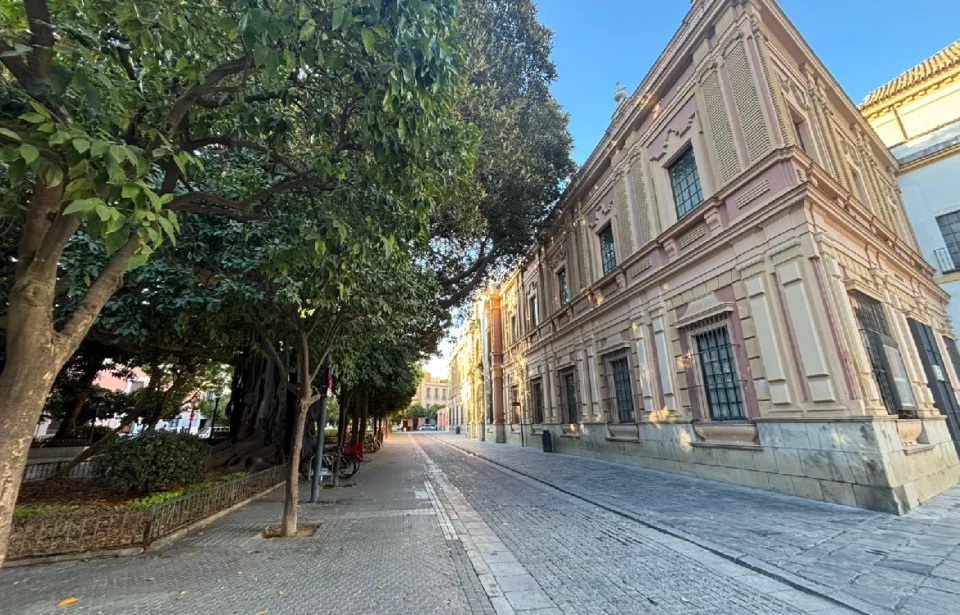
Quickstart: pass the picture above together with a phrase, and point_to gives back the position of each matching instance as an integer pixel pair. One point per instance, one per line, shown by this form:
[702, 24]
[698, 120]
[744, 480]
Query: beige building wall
[431, 391]
[720, 334]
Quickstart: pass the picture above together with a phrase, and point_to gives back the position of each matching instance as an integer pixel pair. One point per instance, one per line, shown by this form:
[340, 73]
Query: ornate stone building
[728, 289]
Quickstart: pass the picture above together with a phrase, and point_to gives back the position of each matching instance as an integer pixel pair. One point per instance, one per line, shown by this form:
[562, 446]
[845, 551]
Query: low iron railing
[41, 471]
[83, 531]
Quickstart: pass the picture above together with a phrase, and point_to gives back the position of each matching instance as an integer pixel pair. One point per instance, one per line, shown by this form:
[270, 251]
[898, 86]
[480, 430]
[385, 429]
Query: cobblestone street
[872, 561]
[442, 524]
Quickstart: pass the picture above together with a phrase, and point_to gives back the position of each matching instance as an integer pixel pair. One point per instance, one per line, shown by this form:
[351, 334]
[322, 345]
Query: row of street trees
[264, 185]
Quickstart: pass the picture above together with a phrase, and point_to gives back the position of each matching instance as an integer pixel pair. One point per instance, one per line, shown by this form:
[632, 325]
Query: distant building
[728, 288]
[918, 117]
[431, 391]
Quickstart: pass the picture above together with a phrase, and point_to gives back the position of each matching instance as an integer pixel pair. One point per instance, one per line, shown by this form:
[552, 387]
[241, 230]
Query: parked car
[428, 428]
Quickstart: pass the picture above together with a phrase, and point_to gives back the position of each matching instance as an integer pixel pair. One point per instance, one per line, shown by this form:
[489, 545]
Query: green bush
[151, 461]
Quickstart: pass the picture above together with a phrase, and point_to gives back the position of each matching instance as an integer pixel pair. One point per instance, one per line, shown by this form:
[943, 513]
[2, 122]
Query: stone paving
[379, 549]
[872, 561]
[586, 560]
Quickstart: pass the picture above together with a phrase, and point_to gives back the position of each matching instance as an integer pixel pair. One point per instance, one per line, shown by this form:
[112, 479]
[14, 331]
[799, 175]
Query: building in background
[918, 117]
[431, 391]
[729, 288]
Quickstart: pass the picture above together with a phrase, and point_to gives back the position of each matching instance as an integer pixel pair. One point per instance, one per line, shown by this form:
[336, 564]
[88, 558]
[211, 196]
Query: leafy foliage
[152, 460]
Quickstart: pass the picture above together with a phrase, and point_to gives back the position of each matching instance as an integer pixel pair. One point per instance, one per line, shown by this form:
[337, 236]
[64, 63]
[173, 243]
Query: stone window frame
[807, 141]
[533, 385]
[608, 386]
[564, 406]
[671, 166]
[665, 153]
[690, 359]
[516, 411]
[607, 228]
[563, 284]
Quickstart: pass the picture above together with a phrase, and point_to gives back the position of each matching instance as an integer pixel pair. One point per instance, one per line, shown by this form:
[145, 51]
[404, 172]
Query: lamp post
[214, 396]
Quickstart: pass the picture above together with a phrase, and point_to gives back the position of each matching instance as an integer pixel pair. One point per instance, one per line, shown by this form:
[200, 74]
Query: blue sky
[864, 43]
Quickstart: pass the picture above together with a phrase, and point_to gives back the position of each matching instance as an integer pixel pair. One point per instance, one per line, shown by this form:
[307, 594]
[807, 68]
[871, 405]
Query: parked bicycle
[372, 444]
[349, 464]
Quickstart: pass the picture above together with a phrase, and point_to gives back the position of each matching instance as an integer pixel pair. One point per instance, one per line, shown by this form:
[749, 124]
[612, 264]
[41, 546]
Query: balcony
[943, 261]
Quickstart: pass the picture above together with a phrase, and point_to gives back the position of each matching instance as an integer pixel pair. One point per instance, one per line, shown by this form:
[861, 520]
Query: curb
[747, 561]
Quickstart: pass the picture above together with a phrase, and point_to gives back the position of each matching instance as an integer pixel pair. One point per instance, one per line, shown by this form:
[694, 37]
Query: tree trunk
[24, 385]
[80, 397]
[293, 477]
[341, 436]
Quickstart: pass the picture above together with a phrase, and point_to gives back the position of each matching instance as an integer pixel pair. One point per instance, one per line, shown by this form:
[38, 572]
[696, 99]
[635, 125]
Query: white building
[918, 117]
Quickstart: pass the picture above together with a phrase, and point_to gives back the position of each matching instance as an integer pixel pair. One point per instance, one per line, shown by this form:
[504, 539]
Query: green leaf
[137, 260]
[103, 211]
[130, 191]
[81, 205]
[308, 29]
[99, 148]
[168, 229]
[81, 145]
[33, 118]
[367, 36]
[261, 54]
[339, 15]
[29, 152]
[9, 133]
[114, 241]
[53, 176]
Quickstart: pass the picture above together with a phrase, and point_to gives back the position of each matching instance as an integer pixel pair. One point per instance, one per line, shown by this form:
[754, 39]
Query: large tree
[111, 109]
[524, 148]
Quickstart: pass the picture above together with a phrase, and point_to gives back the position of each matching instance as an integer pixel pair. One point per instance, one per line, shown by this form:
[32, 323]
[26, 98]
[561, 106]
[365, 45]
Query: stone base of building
[879, 463]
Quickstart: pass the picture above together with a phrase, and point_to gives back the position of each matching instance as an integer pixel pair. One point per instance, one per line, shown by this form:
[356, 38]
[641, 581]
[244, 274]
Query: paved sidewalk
[380, 549]
[879, 562]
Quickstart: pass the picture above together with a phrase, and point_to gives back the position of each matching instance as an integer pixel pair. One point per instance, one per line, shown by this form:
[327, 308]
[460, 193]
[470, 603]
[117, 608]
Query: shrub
[153, 460]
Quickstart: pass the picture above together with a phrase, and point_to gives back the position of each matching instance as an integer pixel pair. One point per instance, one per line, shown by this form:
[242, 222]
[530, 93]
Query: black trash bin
[547, 439]
[457, 430]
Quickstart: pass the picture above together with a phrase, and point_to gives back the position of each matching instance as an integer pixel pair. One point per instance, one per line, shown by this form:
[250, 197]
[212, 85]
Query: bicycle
[349, 464]
[372, 444]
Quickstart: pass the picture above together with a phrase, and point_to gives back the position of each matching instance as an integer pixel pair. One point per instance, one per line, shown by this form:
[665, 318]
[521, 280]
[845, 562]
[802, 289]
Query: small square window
[608, 252]
[562, 286]
[685, 183]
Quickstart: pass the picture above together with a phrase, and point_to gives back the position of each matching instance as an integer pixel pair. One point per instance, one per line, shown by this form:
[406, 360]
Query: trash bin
[457, 430]
[547, 439]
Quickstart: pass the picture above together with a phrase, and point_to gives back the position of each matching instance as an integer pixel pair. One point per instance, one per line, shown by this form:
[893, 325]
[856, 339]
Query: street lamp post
[213, 396]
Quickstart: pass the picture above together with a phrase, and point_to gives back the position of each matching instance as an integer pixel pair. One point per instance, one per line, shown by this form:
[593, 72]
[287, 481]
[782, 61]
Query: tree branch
[228, 142]
[16, 66]
[181, 106]
[272, 352]
[39, 21]
[303, 180]
[106, 284]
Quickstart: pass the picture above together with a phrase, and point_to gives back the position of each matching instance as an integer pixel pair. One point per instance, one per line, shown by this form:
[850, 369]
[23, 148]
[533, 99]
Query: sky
[863, 43]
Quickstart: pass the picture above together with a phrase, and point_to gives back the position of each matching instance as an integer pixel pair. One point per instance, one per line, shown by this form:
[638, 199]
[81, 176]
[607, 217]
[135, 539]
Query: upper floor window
[534, 311]
[608, 252]
[562, 285]
[949, 259]
[860, 187]
[685, 183]
[515, 327]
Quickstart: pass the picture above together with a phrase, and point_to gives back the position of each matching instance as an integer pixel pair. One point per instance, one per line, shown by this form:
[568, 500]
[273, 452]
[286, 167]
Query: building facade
[917, 115]
[431, 391]
[729, 288]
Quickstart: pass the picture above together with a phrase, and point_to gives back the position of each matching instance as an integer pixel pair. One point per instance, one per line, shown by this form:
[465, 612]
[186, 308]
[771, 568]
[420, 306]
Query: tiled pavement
[379, 549]
[873, 561]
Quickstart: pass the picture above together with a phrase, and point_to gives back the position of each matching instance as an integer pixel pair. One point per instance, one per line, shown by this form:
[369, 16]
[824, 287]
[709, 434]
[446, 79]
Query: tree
[524, 147]
[110, 109]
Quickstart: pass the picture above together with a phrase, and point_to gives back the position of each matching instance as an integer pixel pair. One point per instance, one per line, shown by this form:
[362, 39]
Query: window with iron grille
[685, 183]
[721, 382]
[950, 228]
[886, 362]
[568, 392]
[623, 390]
[536, 397]
[608, 252]
[562, 285]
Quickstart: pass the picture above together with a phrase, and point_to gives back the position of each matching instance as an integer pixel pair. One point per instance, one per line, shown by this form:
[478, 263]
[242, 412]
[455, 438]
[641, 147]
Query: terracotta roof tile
[930, 67]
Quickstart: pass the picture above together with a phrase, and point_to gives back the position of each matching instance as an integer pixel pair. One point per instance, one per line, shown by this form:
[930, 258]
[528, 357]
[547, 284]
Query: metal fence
[41, 471]
[83, 531]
